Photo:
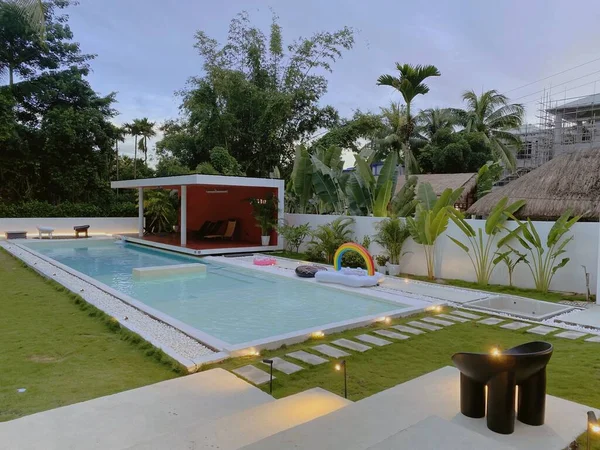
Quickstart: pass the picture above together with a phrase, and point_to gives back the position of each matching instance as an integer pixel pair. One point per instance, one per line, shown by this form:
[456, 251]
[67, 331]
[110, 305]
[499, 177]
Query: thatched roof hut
[441, 181]
[569, 181]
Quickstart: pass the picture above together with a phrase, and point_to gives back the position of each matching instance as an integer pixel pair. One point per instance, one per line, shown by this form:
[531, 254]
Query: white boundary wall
[452, 262]
[64, 226]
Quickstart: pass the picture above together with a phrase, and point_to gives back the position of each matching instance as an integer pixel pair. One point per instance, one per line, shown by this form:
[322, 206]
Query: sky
[145, 48]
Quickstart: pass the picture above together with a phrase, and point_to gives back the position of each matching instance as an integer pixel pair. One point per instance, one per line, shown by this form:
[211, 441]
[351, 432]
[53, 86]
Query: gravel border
[173, 342]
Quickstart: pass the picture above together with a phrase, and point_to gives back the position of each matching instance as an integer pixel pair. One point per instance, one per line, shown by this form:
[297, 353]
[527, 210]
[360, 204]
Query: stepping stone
[252, 374]
[347, 343]
[308, 358]
[408, 329]
[570, 334]
[515, 325]
[454, 318]
[330, 351]
[593, 339]
[391, 334]
[491, 321]
[465, 314]
[284, 366]
[424, 326]
[541, 330]
[372, 340]
[444, 323]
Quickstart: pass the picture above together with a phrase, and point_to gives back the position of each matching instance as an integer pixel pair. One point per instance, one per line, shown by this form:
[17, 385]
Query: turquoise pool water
[233, 304]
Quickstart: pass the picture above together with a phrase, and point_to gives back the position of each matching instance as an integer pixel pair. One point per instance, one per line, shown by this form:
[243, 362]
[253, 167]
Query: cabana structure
[442, 181]
[209, 199]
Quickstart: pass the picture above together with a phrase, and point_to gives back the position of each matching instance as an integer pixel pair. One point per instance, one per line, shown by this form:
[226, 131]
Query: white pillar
[141, 212]
[183, 227]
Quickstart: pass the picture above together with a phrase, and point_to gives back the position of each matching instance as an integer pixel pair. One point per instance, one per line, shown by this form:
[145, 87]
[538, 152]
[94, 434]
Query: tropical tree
[492, 115]
[481, 252]
[32, 11]
[431, 120]
[160, 209]
[410, 84]
[431, 220]
[134, 129]
[146, 131]
[119, 134]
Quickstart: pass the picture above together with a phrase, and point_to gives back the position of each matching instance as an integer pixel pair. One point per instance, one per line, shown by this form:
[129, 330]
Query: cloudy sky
[145, 47]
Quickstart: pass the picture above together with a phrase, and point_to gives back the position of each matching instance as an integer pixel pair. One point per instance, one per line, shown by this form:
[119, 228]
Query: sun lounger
[227, 234]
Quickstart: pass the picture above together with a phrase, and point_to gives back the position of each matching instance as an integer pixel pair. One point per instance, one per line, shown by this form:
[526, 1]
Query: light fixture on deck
[270, 362]
[339, 366]
[592, 427]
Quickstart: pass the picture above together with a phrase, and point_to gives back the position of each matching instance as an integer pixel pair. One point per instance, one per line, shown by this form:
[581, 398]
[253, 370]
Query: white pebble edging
[174, 343]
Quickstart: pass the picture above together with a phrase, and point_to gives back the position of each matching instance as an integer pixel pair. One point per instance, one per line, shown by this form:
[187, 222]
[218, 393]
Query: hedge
[44, 209]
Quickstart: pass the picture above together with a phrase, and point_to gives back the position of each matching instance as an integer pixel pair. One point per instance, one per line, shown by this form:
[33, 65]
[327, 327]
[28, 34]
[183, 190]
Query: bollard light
[342, 366]
[270, 362]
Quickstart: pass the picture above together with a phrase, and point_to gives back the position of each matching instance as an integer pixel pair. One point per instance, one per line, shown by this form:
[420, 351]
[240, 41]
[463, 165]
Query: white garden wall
[453, 262]
[64, 226]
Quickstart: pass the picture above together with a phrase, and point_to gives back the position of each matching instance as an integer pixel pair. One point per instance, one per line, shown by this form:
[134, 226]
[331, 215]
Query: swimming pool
[234, 304]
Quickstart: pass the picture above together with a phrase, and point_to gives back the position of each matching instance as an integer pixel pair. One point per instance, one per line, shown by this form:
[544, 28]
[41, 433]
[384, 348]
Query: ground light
[270, 363]
[339, 366]
[592, 427]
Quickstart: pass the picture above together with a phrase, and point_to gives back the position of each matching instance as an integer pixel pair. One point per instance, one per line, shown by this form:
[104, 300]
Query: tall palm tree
[491, 114]
[431, 120]
[146, 131]
[119, 136]
[133, 129]
[409, 84]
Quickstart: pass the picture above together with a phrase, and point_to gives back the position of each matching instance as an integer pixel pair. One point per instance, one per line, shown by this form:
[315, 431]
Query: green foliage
[354, 259]
[294, 235]
[160, 209]
[257, 96]
[392, 232]
[382, 260]
[480, 252]
[44, 209]
[169, 166]
[487, 176]
[327, 238]
[405, 202]
[511, 264]
[328, 181]
[264, 211]
[541, 256]
[349, 132]
[431, 220]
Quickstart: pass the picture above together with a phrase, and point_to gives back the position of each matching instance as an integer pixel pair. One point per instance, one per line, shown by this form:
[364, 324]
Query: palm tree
[409, 84]
[491, 114]
[134, 129]
[146, 131]
[119, 136]
[429, 121]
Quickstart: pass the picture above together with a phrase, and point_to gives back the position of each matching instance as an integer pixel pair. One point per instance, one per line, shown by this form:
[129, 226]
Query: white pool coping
[220, 349]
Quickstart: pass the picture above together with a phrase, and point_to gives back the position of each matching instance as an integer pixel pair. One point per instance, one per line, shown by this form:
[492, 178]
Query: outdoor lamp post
[270, 363]
[592, 427]
[339, 366]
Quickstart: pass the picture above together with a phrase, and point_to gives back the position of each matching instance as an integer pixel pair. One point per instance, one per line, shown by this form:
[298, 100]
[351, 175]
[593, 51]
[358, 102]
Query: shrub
[67, 209]
[327, 238]
[294, 235]
[391, 235]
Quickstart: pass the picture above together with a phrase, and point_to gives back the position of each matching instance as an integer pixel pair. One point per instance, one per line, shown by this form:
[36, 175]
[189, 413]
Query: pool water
[233, 304]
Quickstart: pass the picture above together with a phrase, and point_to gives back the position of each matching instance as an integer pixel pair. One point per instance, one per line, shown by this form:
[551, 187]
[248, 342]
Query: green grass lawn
[573, 372]
[62, 350]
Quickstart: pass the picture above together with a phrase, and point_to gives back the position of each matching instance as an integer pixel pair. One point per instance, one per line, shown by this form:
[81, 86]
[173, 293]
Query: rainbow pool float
[347, 276]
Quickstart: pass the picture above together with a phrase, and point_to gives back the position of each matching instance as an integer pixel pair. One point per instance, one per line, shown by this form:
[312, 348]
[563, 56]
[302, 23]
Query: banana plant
[479, 250]
[302, 176]
[541, 257]
[329, 185]
[431, 220]
[369, 195]
[405, 202]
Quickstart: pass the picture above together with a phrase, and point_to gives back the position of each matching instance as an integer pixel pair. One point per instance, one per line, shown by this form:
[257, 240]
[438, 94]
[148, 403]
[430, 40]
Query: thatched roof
[569, 181]
[441, 181]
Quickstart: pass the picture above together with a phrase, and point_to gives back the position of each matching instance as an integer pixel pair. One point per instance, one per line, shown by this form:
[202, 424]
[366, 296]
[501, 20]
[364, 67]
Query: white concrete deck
[589, 317]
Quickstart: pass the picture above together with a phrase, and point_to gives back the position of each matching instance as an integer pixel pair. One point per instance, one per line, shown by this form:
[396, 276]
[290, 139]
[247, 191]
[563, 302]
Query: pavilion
[209, 198]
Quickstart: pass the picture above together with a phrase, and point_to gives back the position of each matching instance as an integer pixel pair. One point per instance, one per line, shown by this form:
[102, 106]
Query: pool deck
[589, 317]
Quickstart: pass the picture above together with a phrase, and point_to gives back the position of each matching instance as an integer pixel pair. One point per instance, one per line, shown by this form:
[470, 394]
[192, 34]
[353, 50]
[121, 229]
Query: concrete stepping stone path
[542, 330]
[593, 339]
[406, 329]
[515, 325]
[252, 374]
[424, 326]
[372, 340]
[444, 323]
[284, 366]
[307, 358]
[330, 351]
[465, 314]
[453, 318]
[391, 334]
[351, 345]
[491, 321]
[570, 335]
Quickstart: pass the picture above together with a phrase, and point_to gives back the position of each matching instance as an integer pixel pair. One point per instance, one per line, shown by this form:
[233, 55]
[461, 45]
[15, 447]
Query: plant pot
[265, 240]
[382, 270]
[393, 269]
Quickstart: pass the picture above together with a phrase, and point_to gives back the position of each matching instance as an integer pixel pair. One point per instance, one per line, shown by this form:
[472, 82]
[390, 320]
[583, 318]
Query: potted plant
[381, 262]
[391, 234]
[264, 211]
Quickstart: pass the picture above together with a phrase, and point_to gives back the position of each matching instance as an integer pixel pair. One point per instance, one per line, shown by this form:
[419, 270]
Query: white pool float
[349, 277]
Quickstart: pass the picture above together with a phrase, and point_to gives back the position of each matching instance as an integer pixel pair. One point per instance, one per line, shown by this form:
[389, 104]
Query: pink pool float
[264, 261]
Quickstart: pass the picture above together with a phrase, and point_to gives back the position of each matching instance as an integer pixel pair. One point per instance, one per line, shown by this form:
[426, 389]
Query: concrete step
[251, 425]
[121, 420]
